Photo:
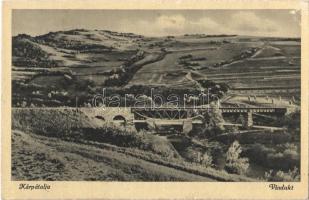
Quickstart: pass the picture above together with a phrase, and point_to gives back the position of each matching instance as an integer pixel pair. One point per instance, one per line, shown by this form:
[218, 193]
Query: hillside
[79, 63]
[64, 161]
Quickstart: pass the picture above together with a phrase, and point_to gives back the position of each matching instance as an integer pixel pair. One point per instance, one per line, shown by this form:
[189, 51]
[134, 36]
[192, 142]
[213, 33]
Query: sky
[280, 23]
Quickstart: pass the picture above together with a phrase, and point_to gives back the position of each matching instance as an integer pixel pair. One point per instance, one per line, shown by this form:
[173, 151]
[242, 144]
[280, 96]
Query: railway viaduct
[170, 116]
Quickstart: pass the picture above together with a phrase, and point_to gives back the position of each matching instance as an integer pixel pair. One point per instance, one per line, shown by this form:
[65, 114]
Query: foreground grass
[37, 157]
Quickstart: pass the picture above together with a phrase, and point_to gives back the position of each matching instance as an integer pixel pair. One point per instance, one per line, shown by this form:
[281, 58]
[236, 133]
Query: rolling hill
[81, 62]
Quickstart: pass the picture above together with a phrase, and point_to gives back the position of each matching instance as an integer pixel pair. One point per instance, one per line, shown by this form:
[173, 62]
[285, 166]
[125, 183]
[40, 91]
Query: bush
[291, 175]
[206, 160]
[131, 139]
[56, 123]
[235, 164]
[256, 136]
[231, 129]
[198, 155]
[280, 157]
[191, 154]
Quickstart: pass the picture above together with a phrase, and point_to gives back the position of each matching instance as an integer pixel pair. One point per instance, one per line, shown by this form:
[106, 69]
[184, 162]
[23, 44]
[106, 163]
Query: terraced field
[273, 65]
[263, 70]
[173, 69]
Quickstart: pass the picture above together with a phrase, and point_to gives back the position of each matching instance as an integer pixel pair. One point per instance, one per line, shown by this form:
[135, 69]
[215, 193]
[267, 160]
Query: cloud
[249, 22]
[162, 22]
[296, 16]
[207, 25]
[175, 25]
[163, 25]
[174, 22]
[242, 23]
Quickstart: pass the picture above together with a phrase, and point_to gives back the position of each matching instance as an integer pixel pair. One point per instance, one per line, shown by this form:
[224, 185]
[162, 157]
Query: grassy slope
[40, 158]
[71, 124]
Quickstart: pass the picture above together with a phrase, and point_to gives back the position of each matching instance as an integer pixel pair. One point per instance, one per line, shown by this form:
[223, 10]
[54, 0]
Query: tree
[291, 175]
[234, 163]
[213, 121]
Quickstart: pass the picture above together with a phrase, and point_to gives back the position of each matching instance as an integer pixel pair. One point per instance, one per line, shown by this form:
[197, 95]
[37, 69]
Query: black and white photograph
[156, 95]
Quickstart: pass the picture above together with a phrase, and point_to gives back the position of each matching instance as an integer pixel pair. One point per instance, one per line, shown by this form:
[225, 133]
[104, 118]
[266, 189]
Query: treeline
[125, 72]
[146, 95]
[81, 93]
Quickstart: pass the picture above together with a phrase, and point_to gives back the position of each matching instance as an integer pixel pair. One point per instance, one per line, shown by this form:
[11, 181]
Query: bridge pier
[187, 126]
[248, 120]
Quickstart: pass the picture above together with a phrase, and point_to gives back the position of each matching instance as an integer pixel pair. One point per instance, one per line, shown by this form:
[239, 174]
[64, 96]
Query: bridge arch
[100, 117]
[119, 119]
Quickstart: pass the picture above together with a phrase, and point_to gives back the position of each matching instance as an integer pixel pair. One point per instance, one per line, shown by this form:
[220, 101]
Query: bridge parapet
[253, 110]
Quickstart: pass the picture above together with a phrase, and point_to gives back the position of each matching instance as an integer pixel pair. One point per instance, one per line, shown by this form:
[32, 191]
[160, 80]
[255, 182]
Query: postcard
[155, 99]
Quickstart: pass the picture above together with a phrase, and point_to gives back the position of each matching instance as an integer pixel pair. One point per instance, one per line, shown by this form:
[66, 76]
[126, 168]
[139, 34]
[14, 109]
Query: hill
[79, 63]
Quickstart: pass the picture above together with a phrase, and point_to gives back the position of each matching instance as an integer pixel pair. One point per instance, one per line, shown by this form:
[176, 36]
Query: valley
[247, 129]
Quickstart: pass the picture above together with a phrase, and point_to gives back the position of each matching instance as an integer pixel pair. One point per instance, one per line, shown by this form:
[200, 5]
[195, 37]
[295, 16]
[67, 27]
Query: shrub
[235, 164]
[257, 136]
[191, 154]
[231, 129]
[291, 175]
[198, 155]
[213, 123]
[206, 160]
[280, 157]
